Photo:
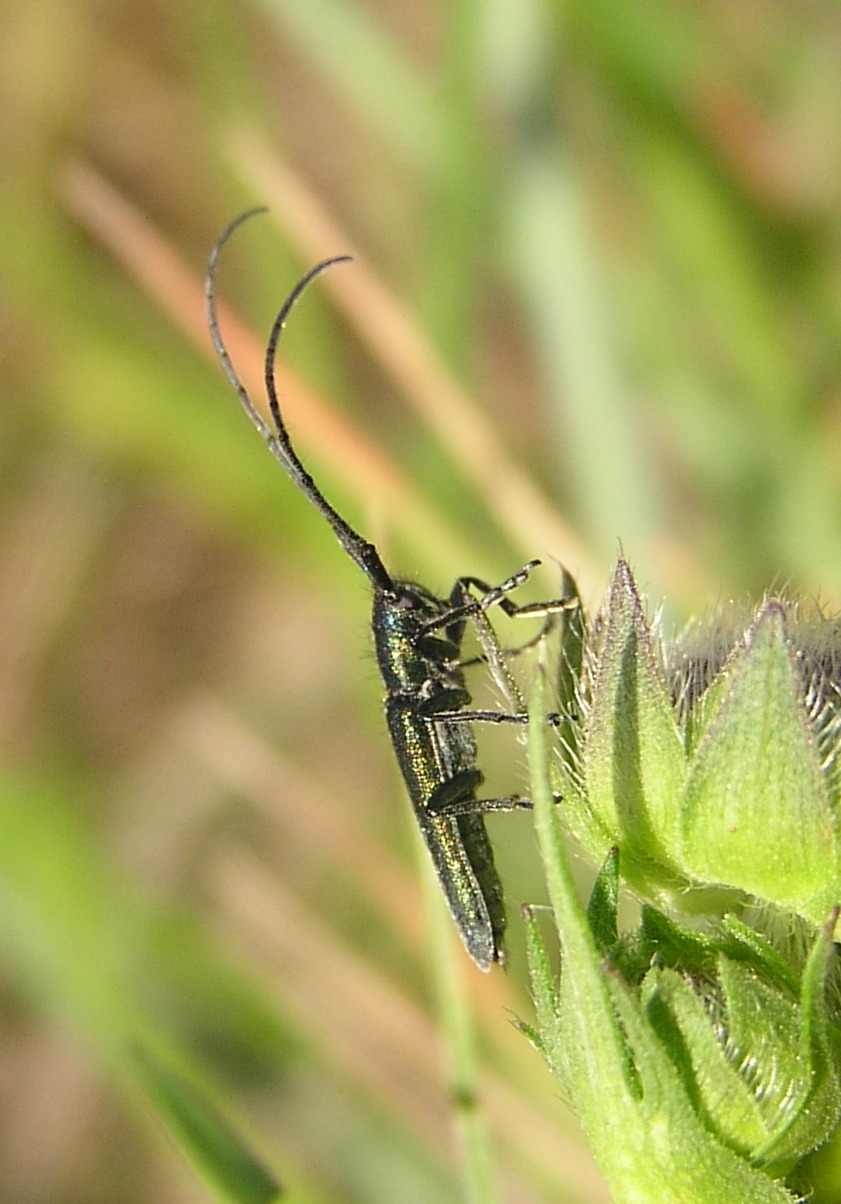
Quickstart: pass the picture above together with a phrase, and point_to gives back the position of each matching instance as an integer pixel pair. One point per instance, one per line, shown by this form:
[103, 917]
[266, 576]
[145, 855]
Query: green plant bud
[756, 810]
[700, 1065]
[633, 763]
[701, 1050]
[754, 1055]
[712, 763]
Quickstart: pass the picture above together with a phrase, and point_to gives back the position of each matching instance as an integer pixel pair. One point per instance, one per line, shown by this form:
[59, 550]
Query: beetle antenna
[278, 440]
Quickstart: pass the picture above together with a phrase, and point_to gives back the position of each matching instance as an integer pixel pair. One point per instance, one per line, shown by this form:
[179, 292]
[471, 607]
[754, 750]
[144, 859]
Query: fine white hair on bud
[694, 657]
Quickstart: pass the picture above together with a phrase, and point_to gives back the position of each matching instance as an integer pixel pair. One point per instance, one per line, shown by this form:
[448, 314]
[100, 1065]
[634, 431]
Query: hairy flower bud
[711, 765]
[701, 1050]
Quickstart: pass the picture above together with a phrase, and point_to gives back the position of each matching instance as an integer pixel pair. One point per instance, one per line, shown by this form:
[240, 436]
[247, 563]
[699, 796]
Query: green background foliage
[609, 240]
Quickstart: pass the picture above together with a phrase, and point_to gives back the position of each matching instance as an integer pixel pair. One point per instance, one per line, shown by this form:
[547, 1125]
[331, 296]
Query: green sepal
[604, 904]
[756, 813]
[818, 1109]
[722, 1097]
[747, 1029]
[743, 943]
[741, 1048]
[634, 763]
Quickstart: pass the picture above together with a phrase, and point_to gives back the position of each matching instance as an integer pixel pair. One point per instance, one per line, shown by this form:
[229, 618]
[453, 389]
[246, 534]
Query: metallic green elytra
[418, 638]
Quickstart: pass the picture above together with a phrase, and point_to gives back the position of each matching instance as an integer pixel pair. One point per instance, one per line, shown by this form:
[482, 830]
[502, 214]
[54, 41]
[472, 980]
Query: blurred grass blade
[563, 285]
[362, 64]
[68, 927]
[458, 1026]
[235, 1174]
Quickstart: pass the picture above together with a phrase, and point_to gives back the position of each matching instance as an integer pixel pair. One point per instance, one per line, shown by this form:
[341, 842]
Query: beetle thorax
[412, 657]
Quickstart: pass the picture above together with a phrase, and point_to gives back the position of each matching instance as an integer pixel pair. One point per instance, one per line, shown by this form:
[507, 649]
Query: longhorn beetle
[417, 638]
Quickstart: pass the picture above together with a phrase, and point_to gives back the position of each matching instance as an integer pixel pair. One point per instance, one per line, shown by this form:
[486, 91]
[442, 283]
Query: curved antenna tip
[278, 440]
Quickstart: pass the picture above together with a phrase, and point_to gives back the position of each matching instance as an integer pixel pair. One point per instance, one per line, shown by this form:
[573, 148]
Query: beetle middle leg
[455, 796]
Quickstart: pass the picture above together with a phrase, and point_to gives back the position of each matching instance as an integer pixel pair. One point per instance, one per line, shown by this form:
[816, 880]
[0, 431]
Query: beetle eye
[414, 599]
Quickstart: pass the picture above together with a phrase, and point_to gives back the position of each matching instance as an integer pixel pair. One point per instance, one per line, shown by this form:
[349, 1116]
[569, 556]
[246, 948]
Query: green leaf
[547, 1038]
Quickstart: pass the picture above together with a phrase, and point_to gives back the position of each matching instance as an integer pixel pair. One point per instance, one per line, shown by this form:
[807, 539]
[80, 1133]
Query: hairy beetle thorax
[416, 651]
